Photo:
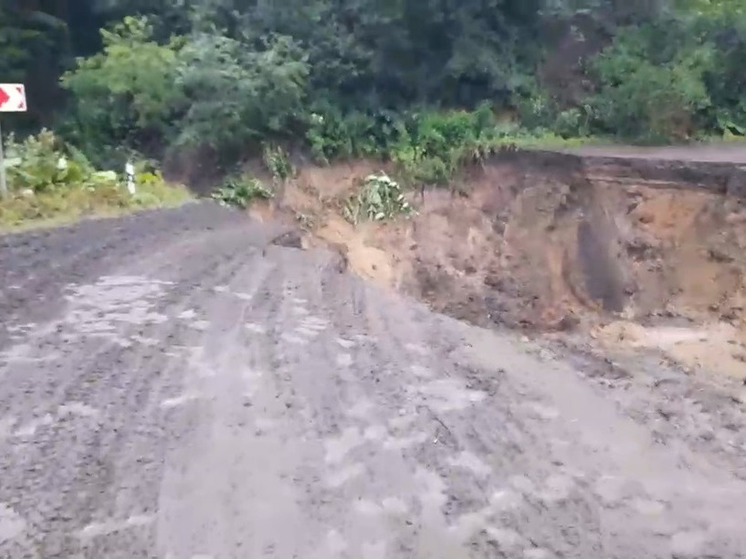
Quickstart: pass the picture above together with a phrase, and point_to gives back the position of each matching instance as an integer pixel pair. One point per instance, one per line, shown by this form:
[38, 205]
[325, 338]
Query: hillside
[366, 78]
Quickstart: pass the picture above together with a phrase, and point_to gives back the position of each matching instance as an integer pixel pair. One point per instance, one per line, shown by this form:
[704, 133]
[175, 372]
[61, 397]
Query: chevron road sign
[12, 100]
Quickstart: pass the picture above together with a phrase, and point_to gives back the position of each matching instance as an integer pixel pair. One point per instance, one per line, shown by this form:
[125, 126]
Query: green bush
[239, 191]
[333, 135]
[574, 122]
[126, 95]
[50, 181]
[43, 163]
[428, 147]
[196, 90]
[240, 96]
[328, 136]
[726, 77]
[438, 144]
[536, 110]
[644, 98]
[379, 199]
[277, 161]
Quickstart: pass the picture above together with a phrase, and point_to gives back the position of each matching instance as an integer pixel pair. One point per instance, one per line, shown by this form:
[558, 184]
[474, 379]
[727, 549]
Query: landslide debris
[638, 253]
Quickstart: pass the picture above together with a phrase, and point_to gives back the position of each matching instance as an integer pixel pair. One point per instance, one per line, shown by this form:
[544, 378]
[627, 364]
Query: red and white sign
[12, 98]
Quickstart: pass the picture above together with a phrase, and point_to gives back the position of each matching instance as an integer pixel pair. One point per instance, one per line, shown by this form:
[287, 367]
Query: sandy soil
[638, 265]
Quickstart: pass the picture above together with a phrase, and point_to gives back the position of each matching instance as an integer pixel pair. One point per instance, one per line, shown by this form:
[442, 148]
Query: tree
[238, 96]
[126, 94]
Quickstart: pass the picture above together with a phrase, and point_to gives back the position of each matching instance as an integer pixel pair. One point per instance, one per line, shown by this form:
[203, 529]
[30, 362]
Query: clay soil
[629, 254]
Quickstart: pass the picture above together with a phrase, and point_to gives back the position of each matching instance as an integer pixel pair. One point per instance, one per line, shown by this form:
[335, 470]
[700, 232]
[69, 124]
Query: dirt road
[701, 153]
[172, 386]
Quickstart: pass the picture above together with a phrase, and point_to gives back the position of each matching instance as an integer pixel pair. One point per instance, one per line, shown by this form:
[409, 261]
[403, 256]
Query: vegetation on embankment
[52, 183]
[429, 87]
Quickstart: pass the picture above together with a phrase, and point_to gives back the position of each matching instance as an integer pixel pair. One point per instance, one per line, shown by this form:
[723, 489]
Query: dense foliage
[51, 181]
[429, 84]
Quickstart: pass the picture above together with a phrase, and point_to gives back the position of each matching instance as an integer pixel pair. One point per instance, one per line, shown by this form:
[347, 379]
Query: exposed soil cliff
[640, 252]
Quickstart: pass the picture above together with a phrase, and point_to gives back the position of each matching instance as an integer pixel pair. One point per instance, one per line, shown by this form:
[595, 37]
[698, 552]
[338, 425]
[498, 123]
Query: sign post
[12, 100]
[3, 179]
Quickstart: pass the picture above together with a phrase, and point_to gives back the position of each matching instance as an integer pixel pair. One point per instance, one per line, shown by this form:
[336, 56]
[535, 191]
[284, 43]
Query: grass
[62, 206]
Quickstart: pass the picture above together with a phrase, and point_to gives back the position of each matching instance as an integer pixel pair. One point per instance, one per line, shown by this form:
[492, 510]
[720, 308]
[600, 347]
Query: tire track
[201, 397]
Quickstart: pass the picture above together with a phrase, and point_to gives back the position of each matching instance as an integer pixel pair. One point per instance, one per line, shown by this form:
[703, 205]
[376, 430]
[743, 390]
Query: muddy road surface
[174, 386]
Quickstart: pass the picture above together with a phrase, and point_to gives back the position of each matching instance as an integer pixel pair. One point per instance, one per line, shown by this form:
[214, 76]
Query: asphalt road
[173, 387]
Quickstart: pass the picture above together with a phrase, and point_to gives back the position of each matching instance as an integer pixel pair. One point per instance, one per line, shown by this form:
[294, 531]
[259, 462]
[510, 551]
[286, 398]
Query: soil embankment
[639, 250]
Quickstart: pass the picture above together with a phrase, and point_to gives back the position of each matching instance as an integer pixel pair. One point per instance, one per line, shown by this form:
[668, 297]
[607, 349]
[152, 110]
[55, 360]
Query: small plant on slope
[278, 163]
[240, 191]
[380, 199]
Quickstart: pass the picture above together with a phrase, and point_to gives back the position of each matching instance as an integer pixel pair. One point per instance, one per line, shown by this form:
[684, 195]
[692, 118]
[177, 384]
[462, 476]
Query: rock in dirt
[290, 239]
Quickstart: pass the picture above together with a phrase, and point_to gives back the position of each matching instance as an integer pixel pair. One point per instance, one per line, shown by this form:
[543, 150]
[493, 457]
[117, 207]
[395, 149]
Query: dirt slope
[638, 253]
[174, 386]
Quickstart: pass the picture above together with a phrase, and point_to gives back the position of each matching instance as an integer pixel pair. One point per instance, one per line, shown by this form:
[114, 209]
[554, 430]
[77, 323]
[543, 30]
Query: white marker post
[12, 100]
[129, 170]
